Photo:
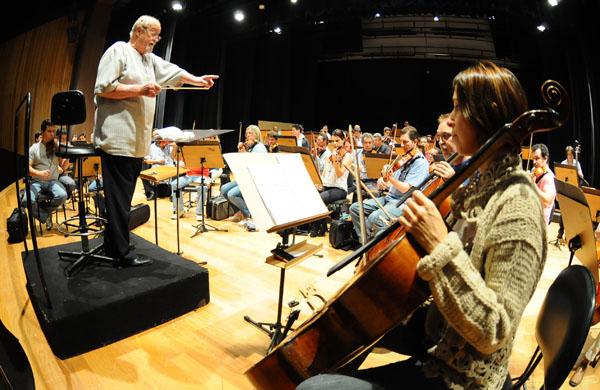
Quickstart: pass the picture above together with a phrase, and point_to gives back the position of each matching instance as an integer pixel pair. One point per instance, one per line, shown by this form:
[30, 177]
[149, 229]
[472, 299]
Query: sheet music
[285, 199]
[276, 187]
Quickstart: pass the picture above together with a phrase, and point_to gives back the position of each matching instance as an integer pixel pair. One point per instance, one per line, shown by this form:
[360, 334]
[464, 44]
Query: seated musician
[379, 146]
[388, 137]
[321, 151]
[297, 131]
[412, 171]
[543, 178]
[367, 142]
[335, 178]
[481, 281]
[161, 153]
[271, 144]
[443, 136]
[570, 160]
[231, 191]
[45, 168]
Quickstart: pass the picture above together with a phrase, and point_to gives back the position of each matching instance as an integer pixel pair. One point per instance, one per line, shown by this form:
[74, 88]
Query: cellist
[481, 279]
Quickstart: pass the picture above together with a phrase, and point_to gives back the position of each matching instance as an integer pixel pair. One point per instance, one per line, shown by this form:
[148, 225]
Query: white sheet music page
[276, 187]
[287, 190]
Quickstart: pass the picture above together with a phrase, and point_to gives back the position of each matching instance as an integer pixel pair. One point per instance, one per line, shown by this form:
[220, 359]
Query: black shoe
[135, 261]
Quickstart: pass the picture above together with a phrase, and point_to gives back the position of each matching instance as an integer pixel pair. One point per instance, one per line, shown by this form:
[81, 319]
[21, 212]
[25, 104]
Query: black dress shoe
[135, 261]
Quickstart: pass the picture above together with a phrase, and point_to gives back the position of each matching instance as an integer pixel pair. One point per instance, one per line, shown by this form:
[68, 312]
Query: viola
[387, 289]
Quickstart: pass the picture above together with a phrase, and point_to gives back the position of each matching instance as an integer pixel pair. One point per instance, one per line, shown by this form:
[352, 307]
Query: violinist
[482, 279]
[543, 178]
[231, 191]
[334, 177]
[45, 168]
[379, 145]
[320, 151]
[297, 131]
[411, 171]
[272, 146]
[388, 137]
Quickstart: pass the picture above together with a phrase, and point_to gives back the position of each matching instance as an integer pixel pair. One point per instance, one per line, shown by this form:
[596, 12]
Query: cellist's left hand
[422, 219]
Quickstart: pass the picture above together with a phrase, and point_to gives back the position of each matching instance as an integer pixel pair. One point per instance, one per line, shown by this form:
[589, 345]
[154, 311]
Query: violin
[539, 171]
[387, 289]
[246, 146]
[337, 155]
[399, 162]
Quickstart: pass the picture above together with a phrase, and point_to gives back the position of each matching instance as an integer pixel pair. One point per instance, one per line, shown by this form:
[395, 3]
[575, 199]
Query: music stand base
[82, 258]
[557, 243]
[205, 227]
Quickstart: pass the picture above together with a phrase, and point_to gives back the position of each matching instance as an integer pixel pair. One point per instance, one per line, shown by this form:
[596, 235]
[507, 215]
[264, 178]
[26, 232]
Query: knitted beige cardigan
[480, 286]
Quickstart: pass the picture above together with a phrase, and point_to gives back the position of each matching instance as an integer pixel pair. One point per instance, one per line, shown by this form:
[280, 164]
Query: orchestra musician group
[482, 260]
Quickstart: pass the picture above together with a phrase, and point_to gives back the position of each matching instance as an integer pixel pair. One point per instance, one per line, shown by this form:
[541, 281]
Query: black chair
[562, 326]
[68, 108]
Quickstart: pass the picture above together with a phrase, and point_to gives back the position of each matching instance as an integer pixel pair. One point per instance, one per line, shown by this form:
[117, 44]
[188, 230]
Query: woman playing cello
[484, 272]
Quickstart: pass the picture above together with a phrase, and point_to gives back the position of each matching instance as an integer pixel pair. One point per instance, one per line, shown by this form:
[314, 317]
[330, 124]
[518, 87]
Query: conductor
[128, 80]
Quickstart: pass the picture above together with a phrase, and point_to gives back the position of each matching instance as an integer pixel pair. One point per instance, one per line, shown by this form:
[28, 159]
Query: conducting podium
[156, 175]
[280, 195]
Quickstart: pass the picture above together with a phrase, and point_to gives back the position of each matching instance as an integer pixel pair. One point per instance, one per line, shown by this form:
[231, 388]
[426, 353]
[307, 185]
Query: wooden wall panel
[39, 61]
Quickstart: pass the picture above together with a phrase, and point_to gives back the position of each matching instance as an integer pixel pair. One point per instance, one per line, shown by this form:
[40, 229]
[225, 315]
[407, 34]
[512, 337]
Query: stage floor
[212, 346]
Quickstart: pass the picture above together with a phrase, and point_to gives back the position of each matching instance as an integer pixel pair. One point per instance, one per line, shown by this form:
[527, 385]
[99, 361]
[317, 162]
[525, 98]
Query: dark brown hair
[489, 96]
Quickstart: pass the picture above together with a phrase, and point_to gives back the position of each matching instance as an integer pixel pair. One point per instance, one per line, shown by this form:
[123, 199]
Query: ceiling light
[293, 1]
[261, 7]
[277, 30]
[177, 6]
[553, 3]
[377, 15]
[542, 27]
[436, 18]
[239, 16]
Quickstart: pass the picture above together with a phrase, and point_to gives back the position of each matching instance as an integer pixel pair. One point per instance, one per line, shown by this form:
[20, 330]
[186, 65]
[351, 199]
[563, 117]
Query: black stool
[68, 108]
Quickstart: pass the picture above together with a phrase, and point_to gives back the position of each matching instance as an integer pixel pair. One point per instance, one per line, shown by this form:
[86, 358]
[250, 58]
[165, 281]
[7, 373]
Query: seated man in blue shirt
[414, 169]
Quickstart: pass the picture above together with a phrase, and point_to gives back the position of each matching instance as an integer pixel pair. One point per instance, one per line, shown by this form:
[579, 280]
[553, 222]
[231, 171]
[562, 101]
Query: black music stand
[578, 225]
[199, 135]
[209, 153]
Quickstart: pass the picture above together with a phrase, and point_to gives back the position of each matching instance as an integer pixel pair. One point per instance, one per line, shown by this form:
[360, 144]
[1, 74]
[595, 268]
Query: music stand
[374, 163]
[286, 140]
[199, 135]
[307, 159]
[270, 183]
[566, 173]
[209, 153]
[592, 195]
[578, 225]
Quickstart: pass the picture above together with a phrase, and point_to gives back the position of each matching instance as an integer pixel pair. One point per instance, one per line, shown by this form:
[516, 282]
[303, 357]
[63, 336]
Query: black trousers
[119, 174]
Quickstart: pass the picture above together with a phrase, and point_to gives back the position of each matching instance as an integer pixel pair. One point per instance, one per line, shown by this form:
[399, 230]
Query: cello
[386, 289]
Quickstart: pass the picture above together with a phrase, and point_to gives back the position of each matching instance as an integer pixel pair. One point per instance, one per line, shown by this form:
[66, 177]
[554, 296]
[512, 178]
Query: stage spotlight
[176, 6]
[436, 18]
[553, 3]
[377, 15]
[277, 30]
[239, 16]
[293, 1]
[542, 27]
[261, 7]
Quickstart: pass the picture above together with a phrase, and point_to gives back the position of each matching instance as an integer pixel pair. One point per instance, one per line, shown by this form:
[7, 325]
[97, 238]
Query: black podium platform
[103, 304]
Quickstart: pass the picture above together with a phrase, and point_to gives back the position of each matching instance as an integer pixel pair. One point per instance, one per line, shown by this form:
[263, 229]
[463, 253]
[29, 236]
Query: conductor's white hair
[143, 21]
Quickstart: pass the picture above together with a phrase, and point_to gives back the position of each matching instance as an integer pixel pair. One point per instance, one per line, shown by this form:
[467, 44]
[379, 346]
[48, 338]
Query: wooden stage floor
[209, 348]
